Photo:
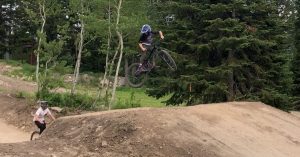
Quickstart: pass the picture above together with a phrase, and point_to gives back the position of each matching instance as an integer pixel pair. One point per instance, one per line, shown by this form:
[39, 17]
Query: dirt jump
[237, 129]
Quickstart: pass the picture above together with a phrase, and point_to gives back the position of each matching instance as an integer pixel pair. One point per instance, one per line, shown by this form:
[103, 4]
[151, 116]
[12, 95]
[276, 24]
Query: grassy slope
[124, 94]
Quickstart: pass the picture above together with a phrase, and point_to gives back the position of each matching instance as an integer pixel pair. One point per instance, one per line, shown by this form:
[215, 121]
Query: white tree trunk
[78, 61]
[43, 16]
[102, 83]
[117, 70]
[121, 54]
[108, 48]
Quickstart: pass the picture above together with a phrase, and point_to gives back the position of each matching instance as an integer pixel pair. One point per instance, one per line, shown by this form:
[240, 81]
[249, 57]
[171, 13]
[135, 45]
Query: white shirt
[41, 114]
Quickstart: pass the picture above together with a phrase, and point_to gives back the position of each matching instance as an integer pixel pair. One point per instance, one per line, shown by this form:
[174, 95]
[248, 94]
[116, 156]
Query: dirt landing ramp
[238, 129]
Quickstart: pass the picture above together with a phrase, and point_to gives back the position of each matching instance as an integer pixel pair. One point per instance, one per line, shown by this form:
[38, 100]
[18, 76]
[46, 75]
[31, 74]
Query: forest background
[226, 50]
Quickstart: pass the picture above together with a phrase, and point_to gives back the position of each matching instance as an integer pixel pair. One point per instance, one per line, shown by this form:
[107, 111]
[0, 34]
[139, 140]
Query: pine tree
[232, 51]
[14, 27]
[296, 61]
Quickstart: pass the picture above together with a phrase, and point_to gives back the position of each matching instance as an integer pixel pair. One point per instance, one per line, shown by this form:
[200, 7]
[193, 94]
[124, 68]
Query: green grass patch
[125, 94]
[25, 94]
[126, 97]
[14, 63]
[20, 70]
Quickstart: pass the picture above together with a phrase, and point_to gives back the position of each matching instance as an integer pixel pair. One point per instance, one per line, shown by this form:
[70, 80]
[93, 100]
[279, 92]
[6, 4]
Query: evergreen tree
[296, 61]
[232, 51]
[15, 28]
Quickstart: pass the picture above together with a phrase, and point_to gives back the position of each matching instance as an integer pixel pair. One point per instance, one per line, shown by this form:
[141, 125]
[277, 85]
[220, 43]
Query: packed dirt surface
[296, 113]
[13, 85]
[16, 112]
[10, 134]
[237, 129]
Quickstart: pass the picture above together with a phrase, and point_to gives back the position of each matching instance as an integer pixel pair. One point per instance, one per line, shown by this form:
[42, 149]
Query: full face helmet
[146, 28]
[44, 104]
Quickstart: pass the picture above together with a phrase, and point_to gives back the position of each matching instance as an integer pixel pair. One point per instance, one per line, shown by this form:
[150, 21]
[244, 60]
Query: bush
[76, 101]
[275, 99]
[20, 94]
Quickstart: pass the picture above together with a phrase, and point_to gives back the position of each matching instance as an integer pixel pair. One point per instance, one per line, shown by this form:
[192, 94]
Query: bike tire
[132, 79]
[34, 135]
[166, 57]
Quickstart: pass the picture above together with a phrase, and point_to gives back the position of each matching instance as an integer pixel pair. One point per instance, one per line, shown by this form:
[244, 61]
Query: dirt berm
[237, 129]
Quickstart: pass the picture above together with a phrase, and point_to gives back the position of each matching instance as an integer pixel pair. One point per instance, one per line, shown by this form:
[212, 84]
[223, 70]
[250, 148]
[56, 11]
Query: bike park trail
[11, 134]
[12, 117]
[13, 84]
[234, 129]
[15, 119]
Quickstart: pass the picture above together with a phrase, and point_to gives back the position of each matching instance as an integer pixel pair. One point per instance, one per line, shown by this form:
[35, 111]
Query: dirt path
[11, 134]
[13, 85]
[15, 119]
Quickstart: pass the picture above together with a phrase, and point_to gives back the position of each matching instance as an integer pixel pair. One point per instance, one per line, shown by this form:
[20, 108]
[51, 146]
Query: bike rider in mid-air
[145, 42]
[39, 116]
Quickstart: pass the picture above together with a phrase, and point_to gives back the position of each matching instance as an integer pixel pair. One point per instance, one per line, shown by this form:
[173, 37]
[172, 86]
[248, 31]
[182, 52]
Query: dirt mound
[16, 112]
[219, 130]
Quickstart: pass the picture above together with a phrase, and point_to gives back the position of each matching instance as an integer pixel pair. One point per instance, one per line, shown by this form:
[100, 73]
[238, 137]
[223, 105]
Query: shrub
[76, 101]
[276, 99]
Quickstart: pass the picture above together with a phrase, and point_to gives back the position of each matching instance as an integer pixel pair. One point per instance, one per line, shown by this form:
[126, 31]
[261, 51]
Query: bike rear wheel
[166, 57]
[34, 135]
[136, 78]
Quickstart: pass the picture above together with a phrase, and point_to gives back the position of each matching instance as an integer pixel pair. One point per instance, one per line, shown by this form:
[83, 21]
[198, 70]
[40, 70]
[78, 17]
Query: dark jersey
[147, 38]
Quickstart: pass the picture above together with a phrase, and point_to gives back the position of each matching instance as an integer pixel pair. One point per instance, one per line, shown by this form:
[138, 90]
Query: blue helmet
[146, 28]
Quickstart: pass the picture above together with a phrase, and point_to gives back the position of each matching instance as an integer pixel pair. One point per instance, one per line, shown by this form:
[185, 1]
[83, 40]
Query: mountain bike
[36, 134]
[137, 75]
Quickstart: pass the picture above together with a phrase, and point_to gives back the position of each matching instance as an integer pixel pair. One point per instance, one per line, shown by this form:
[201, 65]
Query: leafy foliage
[75, 101]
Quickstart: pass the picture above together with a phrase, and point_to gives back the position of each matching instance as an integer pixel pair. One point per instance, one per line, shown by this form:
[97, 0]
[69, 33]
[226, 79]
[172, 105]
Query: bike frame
[153, 53]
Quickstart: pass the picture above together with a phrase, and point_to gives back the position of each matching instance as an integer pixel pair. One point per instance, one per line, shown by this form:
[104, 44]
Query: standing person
[146, 39]
[39, 116]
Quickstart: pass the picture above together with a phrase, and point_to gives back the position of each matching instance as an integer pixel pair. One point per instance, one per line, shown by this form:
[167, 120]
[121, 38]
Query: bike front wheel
[135, 77]
[166, 57]
[34, 135]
